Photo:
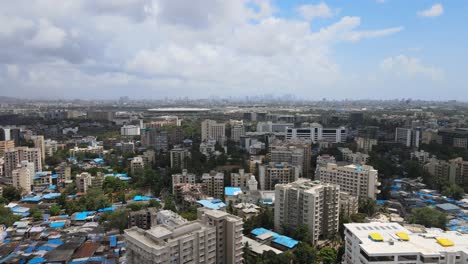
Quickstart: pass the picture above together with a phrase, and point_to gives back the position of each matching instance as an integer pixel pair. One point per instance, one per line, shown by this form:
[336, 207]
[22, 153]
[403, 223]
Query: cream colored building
[39, 143]
[277, 173]
[83, 182]
[136, 164]
[211, 129]
[183, 177]
[361, 181]
[5, 145]
[216, 237]
[22, 176]
[16, 155]
[213, 184]
[310, 203]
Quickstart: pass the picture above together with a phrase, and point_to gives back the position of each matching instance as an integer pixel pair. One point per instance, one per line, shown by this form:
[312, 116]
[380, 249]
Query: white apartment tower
[211, 129]
[137, 164]
[360, 181]
[183, 177]
[391, 243]
[307, 202]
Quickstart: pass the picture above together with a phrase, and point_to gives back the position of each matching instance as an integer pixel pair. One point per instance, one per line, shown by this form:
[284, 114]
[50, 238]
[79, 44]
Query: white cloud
[434, 11]
[407, 67]
[48, 36]
[310, 12]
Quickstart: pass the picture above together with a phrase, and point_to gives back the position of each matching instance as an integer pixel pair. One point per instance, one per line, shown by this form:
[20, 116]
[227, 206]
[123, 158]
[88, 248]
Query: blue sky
[371, 49]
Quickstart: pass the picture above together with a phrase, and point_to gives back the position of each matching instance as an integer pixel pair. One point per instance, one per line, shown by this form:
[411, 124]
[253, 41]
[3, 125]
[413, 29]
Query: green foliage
[264, 219]
[445, 152]
[368, 206]
[302, 234]
[305, 254]
[358, 218]
[112, 184]
[169, 204]
[54, 210]
[154, 203]
[115, 220]
[11, 194]
[7, 217]
[328, 255]
[135, 206]
[190, 214]
[428, 217]
[36, 214]
[453, 191]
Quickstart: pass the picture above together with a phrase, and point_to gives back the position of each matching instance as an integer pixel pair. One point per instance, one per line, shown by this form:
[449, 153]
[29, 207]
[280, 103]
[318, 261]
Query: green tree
[115, 220]
[328, 255]
[428, 217]
[94, 200]
[169, 204]
[302, 233]
[154, 203]
[305, 254]
[135, 206]
[7, 217]
[11, 194]
[54, 210]
[453, 191]
[368, 206]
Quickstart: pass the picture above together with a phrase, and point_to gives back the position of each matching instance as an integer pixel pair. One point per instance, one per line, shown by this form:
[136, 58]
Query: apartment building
[392, 243]
[213, 184]
[360, 181]
[16, 155]
[317, 132]
[296, 153]
[237, 130]
[408, 137]
[273, 127]
[179, 157]
[354, 157]
[349, 204]
[214, 238]
[39, 142]
[183, 177]
[240, 179]
[452, 171]
[211, 129]
[277, 173]
[22, 177]
[83, 182]
[137, 164]
[144, 219]
[155, 137]
[4, 145]
[307, 202]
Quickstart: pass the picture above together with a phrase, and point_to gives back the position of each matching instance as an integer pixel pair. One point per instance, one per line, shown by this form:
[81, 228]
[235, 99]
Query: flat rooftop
[376, 239]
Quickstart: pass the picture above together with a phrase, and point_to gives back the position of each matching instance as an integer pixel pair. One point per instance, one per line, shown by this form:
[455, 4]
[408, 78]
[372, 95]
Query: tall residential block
[310, 203]
[5, 145]
[213, 184]
[137, 164]
[408, 137]
[296, 153]
[211, 129]
[16, 155]
[179, 157]
[360, 181]
[22, 177]
[215, 238]
[277, 173]
[182, 178]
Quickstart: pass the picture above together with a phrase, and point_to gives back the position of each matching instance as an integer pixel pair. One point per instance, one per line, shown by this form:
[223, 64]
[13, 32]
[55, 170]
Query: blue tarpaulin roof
[141, 198]
[107, 209]
[215, 204]
[113, 241]
[57, 224]
[277, 238]
[81, 216]
[37, 260]
[51, 195]
[34, 199]
[232, 191]
[55, 241]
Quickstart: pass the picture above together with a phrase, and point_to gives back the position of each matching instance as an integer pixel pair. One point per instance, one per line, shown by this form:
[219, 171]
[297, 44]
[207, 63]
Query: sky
[336, 49]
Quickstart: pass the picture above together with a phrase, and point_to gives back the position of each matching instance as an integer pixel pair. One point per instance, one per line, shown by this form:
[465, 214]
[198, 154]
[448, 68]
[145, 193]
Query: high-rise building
[215, 238]
[277, 173]
[183, 177]
[15, 135]
[156, 138]
[137, 164]
[452, 171]
[237, 130]
[457, 137]
[273, 127]
[408, 137]
[5, 145]
[317, 132]
[40, 144]
[211, 129]
[240, 179]
[129, 130]
[2, 134]
[296, 153]
[22, 176]
[353, 157]
[310, 203]
[360, 181]
[179, 157]
[14, 156]
[349, 204]
[144, 219]
[213, 184]
[393, 243]
[83, 182]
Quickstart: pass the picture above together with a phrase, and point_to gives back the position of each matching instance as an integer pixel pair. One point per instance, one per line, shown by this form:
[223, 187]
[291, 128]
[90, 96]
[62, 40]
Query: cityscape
[233, 132]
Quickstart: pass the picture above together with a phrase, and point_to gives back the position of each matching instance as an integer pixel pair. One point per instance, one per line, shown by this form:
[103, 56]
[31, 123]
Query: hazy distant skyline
[372, 49]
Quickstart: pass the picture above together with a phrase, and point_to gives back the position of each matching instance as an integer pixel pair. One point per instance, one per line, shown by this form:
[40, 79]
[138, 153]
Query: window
[429, 259]
[381, 258]
[407, 258]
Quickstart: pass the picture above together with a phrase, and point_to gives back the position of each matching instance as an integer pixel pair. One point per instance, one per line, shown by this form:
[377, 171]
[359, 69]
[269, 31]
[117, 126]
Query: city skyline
[373, 49]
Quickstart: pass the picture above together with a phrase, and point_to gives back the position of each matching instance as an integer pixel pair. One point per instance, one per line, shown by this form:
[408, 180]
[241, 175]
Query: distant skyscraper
[15, 135]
